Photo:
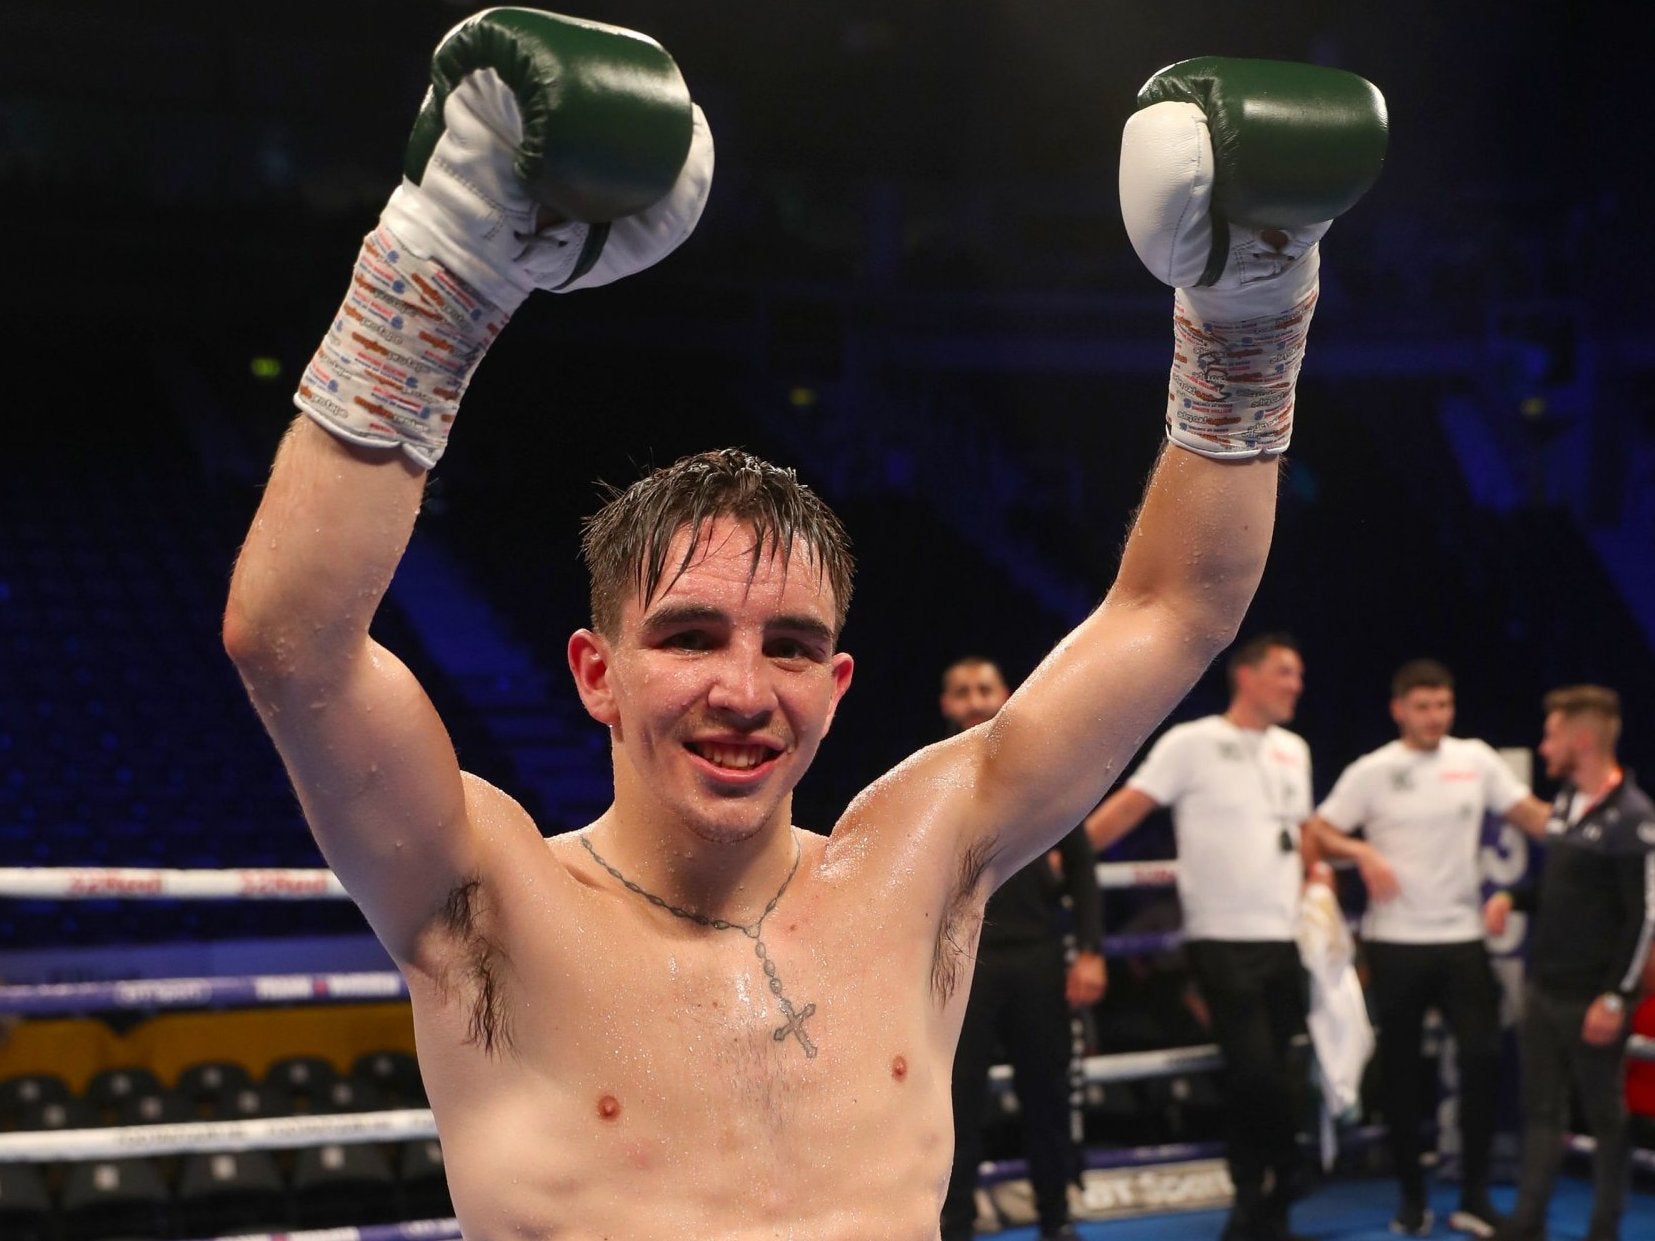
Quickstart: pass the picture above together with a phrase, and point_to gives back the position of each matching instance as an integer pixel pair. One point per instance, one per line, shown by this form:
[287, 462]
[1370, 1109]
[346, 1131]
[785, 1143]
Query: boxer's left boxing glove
[550, 153]
[1231, 171]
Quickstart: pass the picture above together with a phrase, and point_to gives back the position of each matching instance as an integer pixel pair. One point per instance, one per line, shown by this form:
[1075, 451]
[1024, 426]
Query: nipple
[609, 1107]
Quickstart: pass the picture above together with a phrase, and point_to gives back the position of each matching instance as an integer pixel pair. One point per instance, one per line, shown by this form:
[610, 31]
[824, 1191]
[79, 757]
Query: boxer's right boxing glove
[1231, 171]
[550, 153]
[535, 117]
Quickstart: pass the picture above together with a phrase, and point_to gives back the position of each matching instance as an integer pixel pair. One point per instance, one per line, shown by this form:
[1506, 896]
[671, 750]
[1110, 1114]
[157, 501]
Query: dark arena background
[912, 283]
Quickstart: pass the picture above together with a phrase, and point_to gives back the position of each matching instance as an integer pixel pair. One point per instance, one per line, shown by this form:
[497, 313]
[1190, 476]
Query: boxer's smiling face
[719, 689]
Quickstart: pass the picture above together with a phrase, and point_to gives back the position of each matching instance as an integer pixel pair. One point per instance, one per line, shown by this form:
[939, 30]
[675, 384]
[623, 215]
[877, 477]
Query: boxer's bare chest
[754, 1066]
[781, 1014]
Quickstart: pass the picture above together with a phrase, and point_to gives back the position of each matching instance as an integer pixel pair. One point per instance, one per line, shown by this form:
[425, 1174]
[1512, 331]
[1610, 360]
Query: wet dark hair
[1421, 674]
[625, 543]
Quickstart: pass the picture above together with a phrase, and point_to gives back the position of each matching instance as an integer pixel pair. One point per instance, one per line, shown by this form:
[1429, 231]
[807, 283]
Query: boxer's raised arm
[368, 757]
[1230, 172]
[549, 153]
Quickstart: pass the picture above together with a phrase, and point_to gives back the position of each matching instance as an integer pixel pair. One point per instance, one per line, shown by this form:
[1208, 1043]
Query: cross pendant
[795, 1025]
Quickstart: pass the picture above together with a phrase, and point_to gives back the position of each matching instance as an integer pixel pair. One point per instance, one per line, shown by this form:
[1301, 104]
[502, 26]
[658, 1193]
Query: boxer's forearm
[1192, 562]
[1197, 549]
[319, 556]
[1246, 290]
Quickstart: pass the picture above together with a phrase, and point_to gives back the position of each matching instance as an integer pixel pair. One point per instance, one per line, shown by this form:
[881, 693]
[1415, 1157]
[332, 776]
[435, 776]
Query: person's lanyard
[1275, 800]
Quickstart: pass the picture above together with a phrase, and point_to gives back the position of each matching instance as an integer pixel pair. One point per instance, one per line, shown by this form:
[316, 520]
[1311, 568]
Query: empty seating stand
[26, 1212]
[108, 1198]
[223, 1192]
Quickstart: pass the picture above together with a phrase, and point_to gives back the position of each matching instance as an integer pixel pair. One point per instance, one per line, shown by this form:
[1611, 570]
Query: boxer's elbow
[1192, 620]
[253, 619]
[254, 646]
[272, 647]
[1209, 602]
[249, 644]
[1201, 590]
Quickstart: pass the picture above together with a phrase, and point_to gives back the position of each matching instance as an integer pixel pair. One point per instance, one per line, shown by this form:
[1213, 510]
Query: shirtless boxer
[692, 1019]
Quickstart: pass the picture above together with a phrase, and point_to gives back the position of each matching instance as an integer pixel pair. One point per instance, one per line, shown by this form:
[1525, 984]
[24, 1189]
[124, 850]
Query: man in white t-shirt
[1420, 801]
[1239, 788]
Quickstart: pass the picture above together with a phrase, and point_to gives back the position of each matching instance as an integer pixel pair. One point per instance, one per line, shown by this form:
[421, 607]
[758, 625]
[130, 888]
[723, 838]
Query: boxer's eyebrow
[803, 626]
[668, 615]
[672, 615]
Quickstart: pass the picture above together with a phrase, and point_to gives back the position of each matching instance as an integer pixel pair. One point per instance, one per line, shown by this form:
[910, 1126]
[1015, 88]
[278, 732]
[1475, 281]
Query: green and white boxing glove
[1231, 172]
[550, 153]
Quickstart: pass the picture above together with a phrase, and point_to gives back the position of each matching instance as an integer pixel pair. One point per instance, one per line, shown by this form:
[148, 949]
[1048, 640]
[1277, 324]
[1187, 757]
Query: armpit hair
[961, 920]
[477, 968]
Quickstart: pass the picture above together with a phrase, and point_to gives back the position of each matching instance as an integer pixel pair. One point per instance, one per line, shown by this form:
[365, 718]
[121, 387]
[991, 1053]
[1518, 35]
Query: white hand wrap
[1235, 361]
[1239, 341]
[450, 261]
[397, 358]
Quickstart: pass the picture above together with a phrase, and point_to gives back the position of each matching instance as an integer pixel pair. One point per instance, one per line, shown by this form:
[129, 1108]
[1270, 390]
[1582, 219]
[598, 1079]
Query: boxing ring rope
[43, 999]
[212, 1136]
[85, 883]
[414, 1230]
[299, 884]
[272, 1133]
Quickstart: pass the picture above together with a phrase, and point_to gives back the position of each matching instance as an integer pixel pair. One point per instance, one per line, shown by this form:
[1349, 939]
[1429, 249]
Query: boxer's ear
[590, 664]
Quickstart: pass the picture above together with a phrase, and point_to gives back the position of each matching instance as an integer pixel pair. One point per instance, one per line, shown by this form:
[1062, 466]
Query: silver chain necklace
[795, 1025]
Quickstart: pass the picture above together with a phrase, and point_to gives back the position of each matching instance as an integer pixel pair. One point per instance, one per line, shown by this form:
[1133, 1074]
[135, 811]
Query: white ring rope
[413, 1230]
[1115, 876]
[265, 1133]
[1129, 1066]
[139, 883]
[97, 883]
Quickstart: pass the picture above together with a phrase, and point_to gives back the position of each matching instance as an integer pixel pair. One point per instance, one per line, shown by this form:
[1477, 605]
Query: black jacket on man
[1596, 896]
